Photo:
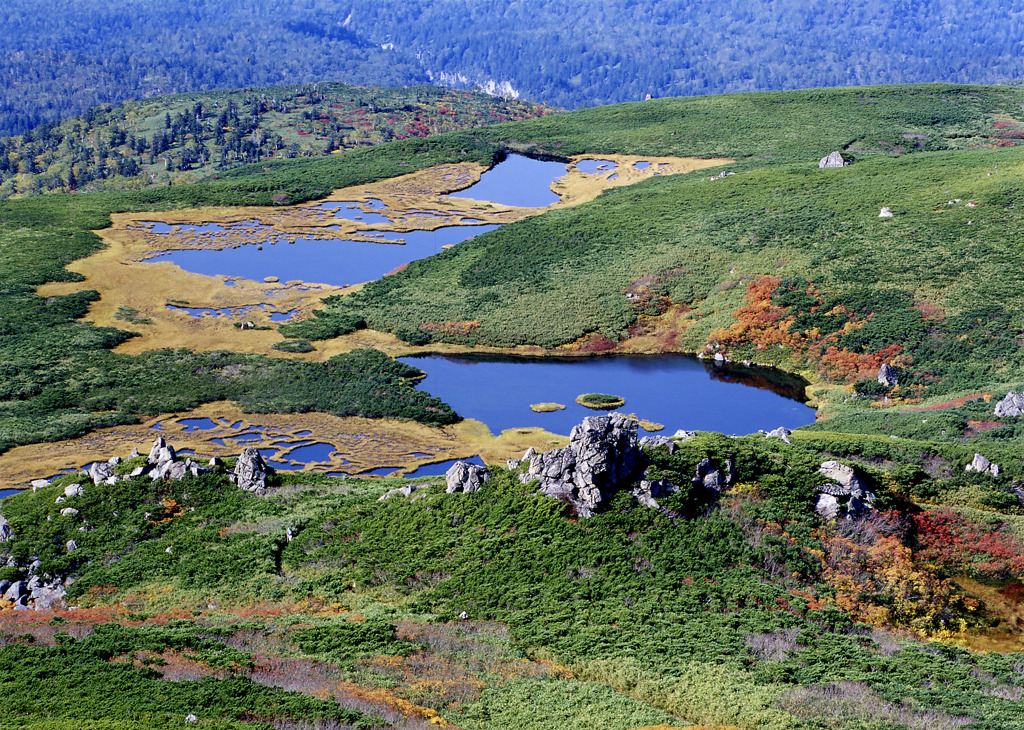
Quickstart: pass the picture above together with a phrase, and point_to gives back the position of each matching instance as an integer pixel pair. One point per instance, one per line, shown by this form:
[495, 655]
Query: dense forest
[60, 57]
[179, 138]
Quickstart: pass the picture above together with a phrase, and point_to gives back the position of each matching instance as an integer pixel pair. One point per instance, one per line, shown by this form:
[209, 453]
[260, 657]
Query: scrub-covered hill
[863, 572]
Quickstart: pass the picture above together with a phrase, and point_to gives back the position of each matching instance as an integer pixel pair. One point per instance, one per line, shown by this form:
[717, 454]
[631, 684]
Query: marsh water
[334, 261]
[677, 391]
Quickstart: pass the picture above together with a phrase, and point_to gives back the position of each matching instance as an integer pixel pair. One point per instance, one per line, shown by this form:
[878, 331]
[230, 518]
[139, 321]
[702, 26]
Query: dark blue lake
[517, 180]
[335, 262]
[8, 492]
[675, 390]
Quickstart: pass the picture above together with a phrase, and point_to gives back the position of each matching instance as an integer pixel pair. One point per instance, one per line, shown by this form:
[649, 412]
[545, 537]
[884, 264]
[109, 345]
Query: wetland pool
[334, 261]
[678, 391]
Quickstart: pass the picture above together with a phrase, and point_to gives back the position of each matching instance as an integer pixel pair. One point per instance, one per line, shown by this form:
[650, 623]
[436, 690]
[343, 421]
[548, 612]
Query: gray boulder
[39, 484]
[649, 490]
[154, 453]
[845, 495]
[602, 453]
[100, 472]
[5, 530]
[250, 471]
[47, 596]
[683, 435]
[779, 433]
[16, 593]
[73, 490]
[834, 159]
[651, 442]
[711, 476]
[71, 546]
[68, 512]
[887, 376]
[405, 491]
[466, 477]
[1010, 406]
[983, 465]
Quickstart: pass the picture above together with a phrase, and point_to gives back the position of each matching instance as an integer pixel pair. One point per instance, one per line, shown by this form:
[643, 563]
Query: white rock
[886, 213]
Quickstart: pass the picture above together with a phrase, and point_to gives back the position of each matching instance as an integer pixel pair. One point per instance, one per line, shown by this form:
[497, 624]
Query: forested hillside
[60, 57]
[185, 137]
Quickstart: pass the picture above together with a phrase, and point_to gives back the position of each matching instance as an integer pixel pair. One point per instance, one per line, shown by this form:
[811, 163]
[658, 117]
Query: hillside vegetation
[183, 138]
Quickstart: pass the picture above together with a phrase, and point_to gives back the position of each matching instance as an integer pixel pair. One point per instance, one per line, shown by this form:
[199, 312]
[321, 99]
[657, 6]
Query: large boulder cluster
[1010, 406]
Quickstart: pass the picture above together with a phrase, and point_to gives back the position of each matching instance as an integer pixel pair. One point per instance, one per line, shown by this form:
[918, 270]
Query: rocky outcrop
[250, 472]
[834, 159]
[845, 496]
[651, 442]
[5, 530]
[778, 433]
[887, 376]
[602, 454]
[466, 477]
[1010, 406]
[713, 476]
[34, 590]
[982, 465]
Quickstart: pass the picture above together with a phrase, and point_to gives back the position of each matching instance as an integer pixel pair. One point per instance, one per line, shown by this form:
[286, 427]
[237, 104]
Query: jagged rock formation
[602, 454]
[466, 477]
[887, 376]
[250, 472]
[1011, 405]
[846, 496]
[983, 465]
[834, 159]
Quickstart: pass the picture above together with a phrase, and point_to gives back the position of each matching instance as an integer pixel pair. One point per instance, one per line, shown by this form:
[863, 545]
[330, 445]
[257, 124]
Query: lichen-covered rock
[466, 477]
[251, 471]
[1010, 406]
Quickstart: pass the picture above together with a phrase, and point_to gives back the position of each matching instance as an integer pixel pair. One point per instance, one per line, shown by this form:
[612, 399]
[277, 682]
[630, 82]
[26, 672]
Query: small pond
[519, 181]
[335, 262]
[594, 167]
[677, 391]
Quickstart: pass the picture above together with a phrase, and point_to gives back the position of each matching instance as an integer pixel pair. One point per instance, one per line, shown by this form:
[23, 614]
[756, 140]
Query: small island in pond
[546, 407]
[600, 401]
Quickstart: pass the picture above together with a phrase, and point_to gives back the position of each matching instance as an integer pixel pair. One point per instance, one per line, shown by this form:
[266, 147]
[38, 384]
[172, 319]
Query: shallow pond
[519, 181]
[335, 262]
[677, 391]
[594, 167]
